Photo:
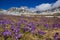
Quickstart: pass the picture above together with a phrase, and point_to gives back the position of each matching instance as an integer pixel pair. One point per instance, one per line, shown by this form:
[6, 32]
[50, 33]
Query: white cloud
[56, 4]
[47, 6]
[43, 7]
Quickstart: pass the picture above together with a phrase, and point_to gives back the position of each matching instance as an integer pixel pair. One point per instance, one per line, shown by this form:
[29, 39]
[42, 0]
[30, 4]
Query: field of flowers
[29, 28]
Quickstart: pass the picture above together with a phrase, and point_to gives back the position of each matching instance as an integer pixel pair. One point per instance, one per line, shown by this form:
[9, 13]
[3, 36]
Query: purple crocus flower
[18, 23]
[6, 33]
[56, 35]
[56, 25]
[17, 29]
[24, 21]
[27, 29]
[33, 32]
[46, 25]
[11, 22]
[17, 36]
[33, 27]
[41, 32]
[1, 22]
[16, 33]
[30, 23]
[57, 38]
[12, 27]
[6, 22]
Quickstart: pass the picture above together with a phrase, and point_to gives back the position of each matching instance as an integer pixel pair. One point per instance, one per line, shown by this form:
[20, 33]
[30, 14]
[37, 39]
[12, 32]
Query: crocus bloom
[17, 29]
[33, 31]
[30, 23]
[24, 21]
[18, 23]
[12, 27]
[41, 32]
[27, 29]
[5, 33]
[33, 27]
[11, 22]
[6, 22]
[46, 25]
[1, 22]
[17, 36]
[57, 39]
[56, 25]
[56, 35]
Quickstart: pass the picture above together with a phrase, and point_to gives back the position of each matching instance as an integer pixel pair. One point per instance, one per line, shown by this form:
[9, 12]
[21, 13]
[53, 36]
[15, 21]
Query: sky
[33, 4]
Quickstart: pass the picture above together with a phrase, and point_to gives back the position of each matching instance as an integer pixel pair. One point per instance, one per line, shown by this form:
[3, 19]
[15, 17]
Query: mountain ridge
[24, 10]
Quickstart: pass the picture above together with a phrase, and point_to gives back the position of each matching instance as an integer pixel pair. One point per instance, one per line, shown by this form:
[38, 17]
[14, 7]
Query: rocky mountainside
[24, 10]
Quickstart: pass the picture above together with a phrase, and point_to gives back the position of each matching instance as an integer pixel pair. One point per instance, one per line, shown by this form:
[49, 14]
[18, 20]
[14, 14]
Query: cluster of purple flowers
[56, 25]
[52, 26]
[15, 27]
[30, 28]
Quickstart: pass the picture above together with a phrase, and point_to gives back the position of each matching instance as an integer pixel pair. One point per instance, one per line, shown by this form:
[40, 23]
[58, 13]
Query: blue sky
[5, 4]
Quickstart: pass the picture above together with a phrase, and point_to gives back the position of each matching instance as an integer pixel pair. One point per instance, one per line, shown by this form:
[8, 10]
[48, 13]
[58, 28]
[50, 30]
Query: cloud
[56, 4]
[46, 6]
[43, 7]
